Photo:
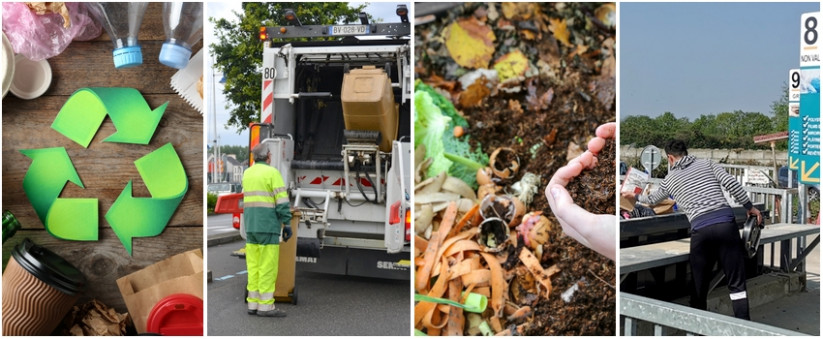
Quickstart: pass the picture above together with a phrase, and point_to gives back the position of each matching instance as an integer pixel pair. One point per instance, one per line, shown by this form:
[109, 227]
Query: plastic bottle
[122, 21]
[10, 225]
[183, 24]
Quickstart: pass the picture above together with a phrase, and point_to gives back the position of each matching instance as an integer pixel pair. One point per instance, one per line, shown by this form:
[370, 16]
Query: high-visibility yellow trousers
[262, 264]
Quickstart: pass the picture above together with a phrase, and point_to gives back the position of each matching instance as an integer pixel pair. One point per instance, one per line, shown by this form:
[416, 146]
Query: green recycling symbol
[161, 170]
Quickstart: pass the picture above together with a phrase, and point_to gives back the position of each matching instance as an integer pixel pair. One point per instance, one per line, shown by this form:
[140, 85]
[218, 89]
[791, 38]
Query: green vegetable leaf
[429, 127]
[463, 162]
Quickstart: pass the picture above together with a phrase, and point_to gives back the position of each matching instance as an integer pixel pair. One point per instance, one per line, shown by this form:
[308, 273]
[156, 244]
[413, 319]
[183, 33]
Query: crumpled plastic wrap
[94, 318]
[42, 36]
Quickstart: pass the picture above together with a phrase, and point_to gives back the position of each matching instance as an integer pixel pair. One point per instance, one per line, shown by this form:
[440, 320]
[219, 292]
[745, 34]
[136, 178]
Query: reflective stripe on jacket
[265, 204]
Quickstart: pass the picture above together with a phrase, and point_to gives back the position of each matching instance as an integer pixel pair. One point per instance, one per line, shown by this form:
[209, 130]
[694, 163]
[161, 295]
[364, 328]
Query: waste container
[284, 291]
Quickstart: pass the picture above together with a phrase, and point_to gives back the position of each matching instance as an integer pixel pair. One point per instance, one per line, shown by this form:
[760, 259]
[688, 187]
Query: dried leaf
[607, 14]
[438, 81]
[515, 106]
[558, 27]
[511, 65]
[518, 10]
[470, 43]
[538, 102]
[604, 85]
[573, 151]
[581, 49]
[474, 94]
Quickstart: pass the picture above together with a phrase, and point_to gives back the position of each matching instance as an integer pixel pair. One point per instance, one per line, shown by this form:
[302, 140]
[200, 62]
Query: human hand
[603, 132]
[595, 231]
[287, 233]
[755, 211]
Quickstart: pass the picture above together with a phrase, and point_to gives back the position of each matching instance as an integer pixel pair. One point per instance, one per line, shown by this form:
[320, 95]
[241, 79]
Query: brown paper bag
[664, 207]
[626, 204]
[182, 273]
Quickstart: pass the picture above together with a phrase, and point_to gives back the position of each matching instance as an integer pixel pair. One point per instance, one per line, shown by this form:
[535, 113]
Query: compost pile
[506, 94]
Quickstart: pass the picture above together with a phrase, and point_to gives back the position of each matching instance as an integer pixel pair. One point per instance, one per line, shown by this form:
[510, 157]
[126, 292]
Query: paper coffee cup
[39, 288]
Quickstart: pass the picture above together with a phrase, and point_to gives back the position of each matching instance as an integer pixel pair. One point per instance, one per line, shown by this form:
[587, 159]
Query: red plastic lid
[177, 314]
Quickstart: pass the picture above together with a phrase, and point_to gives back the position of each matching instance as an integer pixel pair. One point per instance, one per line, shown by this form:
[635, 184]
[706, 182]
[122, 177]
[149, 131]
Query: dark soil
[541, 134]
[592, 308]
[594, 186]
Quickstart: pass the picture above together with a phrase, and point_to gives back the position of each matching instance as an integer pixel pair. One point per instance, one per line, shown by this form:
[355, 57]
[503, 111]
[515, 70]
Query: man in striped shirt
[696, 185]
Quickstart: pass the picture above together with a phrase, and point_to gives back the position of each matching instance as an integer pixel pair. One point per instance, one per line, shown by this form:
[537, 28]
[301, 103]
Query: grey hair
[260, 153]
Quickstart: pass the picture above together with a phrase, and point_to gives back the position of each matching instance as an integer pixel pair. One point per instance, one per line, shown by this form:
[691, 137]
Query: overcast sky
[706, 58]
[384, 10]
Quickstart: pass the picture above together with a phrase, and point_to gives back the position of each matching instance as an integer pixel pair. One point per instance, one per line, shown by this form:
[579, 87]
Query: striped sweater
[696, 185]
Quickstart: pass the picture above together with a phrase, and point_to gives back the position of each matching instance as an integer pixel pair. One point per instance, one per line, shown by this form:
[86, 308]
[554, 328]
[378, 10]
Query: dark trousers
[708, 245]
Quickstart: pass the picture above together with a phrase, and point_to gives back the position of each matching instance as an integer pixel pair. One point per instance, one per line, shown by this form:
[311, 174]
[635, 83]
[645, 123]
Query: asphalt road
[326, 304]
[219, 225]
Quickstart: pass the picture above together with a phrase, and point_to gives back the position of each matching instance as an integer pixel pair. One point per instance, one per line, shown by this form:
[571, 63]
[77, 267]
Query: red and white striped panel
[268, 99]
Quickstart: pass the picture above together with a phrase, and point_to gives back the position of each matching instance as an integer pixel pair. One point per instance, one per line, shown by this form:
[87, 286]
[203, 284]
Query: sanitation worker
[266, 205]
[696, 185]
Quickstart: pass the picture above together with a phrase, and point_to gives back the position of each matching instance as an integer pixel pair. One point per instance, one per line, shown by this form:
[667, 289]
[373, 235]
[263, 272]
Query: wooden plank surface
[103, 262]
[106, 168]
[639, 258]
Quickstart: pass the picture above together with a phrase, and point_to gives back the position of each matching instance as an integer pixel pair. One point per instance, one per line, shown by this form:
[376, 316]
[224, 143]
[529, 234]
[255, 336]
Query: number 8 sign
[809, 34]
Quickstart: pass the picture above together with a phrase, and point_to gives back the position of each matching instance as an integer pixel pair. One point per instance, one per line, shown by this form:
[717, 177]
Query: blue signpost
[794, 119]
[809, 118]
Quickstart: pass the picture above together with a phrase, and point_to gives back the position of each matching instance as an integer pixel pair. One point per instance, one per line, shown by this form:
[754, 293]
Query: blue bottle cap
[173, 55]
[127, 57]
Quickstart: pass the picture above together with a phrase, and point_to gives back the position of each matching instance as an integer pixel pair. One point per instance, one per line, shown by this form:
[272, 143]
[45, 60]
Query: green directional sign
[129, 216]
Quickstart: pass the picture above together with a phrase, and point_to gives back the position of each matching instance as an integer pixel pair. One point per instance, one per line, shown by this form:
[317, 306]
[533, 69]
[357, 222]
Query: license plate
[349, 30]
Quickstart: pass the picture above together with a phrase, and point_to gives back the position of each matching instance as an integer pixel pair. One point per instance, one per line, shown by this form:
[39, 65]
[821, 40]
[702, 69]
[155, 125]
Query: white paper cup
[31, 78]
[7, 64]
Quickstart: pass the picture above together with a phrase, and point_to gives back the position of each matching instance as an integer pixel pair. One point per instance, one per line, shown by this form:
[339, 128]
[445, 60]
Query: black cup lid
[49, 267]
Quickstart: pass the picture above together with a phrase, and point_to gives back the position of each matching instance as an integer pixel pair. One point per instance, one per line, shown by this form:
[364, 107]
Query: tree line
[728, 130]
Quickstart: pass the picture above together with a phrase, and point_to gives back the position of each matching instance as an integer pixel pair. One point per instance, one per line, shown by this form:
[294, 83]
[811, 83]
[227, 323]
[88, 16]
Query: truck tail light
[394, 213]
[408, 224]
[235, 221]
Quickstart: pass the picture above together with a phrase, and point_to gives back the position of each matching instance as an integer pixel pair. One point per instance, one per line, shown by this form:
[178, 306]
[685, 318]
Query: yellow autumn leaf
[509, 9]
[511, 65]
[470, 43]
[607, 14]
[558, 27]
[581, 49]
[518, 10]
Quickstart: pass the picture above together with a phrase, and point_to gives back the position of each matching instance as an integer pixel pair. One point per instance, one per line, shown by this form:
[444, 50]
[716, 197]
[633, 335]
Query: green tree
[780, 115]
[240, 152]
[239, 51]
[635, 130]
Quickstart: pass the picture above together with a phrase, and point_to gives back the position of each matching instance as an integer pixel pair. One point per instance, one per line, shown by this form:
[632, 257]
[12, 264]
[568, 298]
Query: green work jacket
[265, 204]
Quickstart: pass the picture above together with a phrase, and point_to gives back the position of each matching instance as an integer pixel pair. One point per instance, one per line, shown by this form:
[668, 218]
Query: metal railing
[740, 171]
[646, 316]
[776, 200]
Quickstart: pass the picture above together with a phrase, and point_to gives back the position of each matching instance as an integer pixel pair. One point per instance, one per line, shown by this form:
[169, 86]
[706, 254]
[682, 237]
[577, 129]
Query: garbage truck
[336, 117]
